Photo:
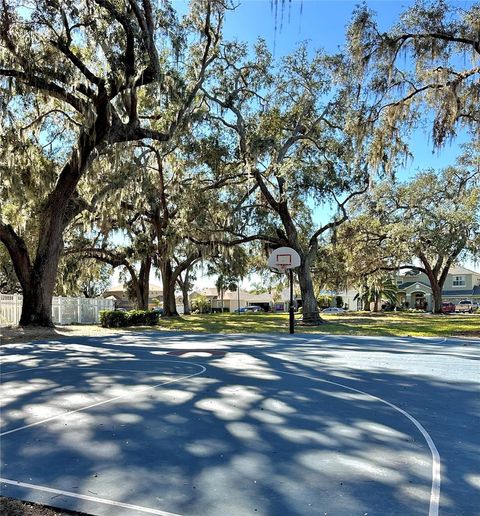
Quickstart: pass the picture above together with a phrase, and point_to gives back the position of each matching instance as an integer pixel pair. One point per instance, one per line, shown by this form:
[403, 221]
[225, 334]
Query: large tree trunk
[184, 285]
[169, 279]
[186, 300]
[437, 276]
[437, 297]
[37, 280]
[143, 284]
[437, 287]
[37, 297]
[311, 315]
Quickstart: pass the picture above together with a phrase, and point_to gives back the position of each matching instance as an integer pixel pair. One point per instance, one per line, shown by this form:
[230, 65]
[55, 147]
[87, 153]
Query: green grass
[356, 323]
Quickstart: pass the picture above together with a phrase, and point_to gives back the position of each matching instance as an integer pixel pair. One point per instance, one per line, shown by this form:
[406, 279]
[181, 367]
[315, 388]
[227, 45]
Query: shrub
[148, 318]
[324, 301]
[118, 319]
[135, 317]
[113, 318]
[201, 304]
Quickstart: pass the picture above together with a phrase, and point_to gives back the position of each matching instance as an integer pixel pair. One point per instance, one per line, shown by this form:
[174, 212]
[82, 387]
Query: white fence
[65, 310]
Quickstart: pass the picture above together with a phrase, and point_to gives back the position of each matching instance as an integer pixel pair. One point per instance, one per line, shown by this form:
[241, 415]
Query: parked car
[242, 309]
[467, 305]
[448, 308]
[254, 308]
[333, 310]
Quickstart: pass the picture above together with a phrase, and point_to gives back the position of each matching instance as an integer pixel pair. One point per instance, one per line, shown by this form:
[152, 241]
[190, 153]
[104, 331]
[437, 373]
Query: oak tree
[80, 77]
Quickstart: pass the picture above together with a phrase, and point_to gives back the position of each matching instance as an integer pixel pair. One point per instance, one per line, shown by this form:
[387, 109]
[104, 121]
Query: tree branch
[18, 252]
[335, 223]
[51, 88]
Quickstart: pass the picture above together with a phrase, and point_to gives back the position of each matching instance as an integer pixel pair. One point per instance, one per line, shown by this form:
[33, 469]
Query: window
[459, 281]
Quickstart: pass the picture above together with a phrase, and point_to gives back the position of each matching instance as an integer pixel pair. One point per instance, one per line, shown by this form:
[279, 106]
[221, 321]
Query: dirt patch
[468, 333]
[11, 507]
[17, 334]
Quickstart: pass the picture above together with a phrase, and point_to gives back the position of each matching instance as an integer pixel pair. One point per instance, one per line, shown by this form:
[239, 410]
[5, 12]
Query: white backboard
[284, 258]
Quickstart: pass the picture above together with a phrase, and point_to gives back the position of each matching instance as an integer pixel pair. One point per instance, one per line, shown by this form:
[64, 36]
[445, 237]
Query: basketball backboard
[284, 258]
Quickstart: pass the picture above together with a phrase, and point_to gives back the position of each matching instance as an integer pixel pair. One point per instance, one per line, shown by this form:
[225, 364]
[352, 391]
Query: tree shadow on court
[269, 428]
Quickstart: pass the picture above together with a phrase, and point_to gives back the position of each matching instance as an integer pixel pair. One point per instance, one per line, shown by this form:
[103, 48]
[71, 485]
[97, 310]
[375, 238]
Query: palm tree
[376, 288]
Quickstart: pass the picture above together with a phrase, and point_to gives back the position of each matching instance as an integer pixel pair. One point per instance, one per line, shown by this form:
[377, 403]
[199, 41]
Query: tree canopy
[426, 66]
[125, 118]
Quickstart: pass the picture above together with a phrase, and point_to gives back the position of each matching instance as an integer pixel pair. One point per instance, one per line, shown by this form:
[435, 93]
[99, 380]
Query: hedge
[118, 318]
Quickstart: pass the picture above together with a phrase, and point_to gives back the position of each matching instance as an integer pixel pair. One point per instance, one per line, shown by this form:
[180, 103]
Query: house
[349, 298]
[232, 300]
[281, 304]
[414, 289]
[119, 295]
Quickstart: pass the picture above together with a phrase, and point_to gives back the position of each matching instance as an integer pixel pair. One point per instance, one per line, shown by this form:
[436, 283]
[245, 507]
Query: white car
[467, 305]
[333, 310]
[254, 308]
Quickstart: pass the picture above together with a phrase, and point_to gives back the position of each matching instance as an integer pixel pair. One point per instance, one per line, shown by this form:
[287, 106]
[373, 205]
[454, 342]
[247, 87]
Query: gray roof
[462, 293]
[450, 293]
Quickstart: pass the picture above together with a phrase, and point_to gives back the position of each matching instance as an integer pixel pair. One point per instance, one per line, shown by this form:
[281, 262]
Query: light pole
[238, 295]
[291, 314]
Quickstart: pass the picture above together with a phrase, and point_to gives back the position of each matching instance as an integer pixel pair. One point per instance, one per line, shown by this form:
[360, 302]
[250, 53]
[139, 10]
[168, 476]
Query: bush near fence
[119, 319]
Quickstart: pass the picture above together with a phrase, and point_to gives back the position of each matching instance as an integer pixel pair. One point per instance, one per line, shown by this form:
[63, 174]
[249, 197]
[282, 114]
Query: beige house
[118, 293]
[232, 300]
[414, 288]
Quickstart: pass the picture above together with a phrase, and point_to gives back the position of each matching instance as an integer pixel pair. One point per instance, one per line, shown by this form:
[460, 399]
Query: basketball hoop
[284, 258]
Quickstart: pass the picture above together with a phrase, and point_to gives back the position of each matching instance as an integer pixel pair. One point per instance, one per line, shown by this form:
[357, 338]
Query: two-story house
[414, 289]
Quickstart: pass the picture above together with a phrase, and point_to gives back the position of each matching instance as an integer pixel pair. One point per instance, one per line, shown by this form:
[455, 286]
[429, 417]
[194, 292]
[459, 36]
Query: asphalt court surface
[172, 423]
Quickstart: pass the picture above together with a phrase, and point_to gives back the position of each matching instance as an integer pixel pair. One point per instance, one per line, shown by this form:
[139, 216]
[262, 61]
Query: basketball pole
[291, 315]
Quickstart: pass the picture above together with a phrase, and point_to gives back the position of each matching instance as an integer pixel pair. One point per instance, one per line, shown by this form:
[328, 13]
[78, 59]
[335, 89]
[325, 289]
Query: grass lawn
[351, 323]
[354, 323]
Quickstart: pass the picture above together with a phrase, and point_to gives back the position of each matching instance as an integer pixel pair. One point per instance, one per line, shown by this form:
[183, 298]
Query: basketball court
[172, 423]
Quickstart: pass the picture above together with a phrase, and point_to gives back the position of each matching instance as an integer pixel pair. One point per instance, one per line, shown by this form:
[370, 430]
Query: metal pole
[238, 296]
[292, 319]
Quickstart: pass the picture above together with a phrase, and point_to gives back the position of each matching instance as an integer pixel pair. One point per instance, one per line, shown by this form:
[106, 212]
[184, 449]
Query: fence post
[60, 310]
[79, 310]
[15, 309]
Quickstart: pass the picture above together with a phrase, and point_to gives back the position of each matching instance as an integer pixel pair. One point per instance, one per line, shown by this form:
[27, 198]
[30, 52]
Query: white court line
[436, 476]
[79, 366]
[90, 368]
[436, 463]
[87, 497]
[25, 369]
[63, 414]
